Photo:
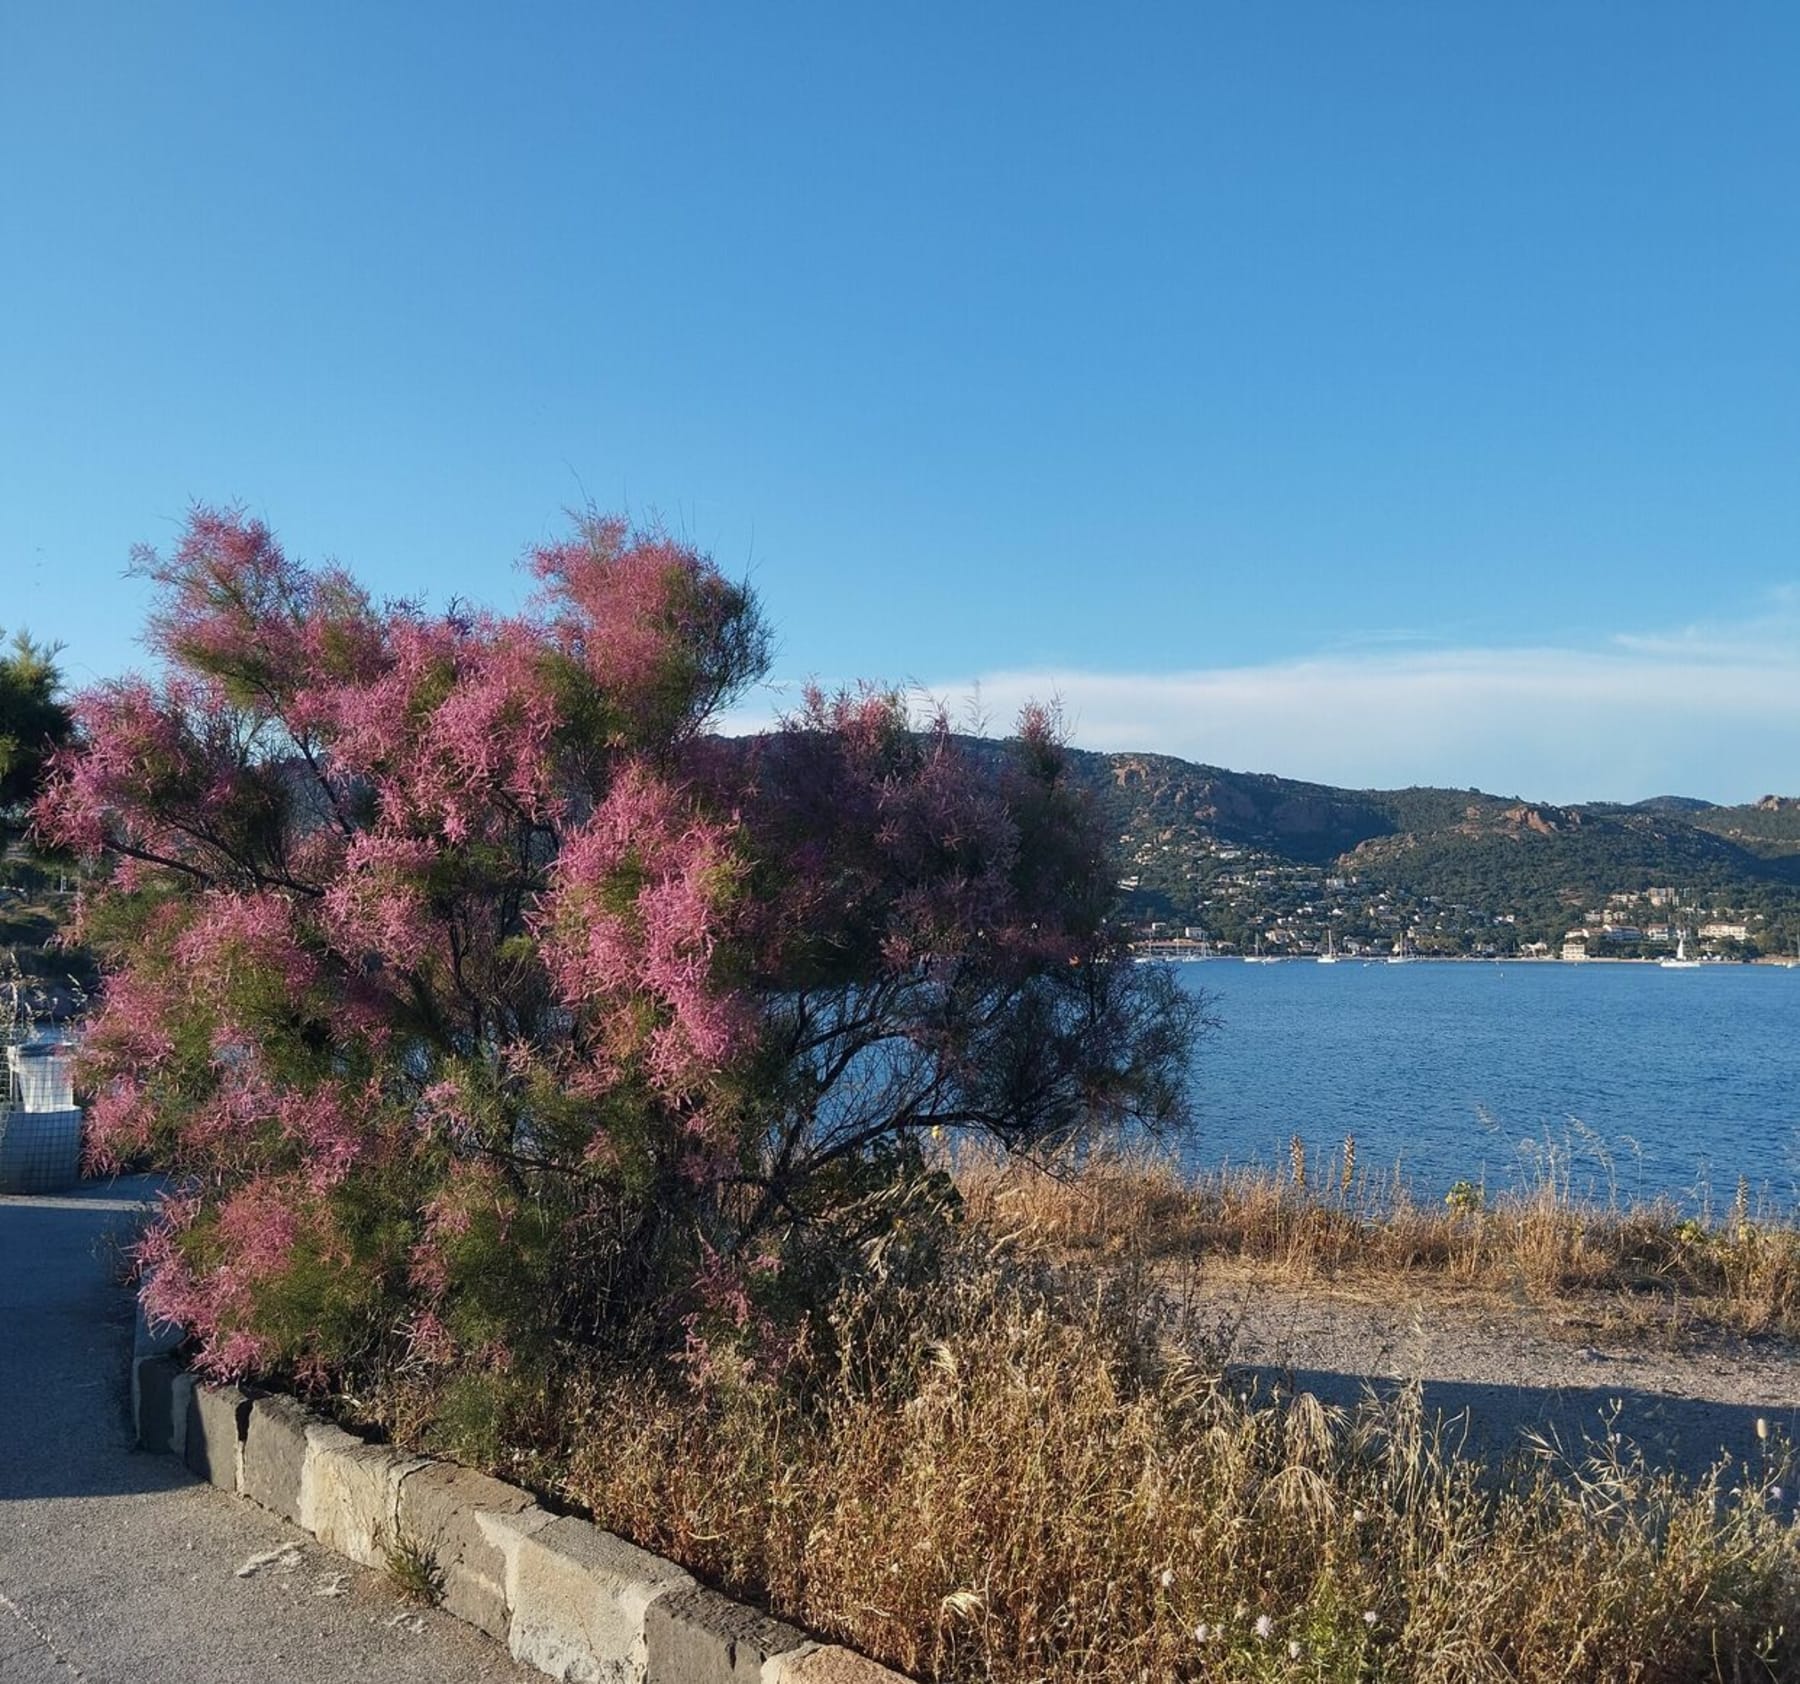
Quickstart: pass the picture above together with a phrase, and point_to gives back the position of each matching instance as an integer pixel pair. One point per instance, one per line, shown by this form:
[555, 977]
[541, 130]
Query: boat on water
[1261, 958]
[1681, 962]
[1329, 956]
[1402, 955]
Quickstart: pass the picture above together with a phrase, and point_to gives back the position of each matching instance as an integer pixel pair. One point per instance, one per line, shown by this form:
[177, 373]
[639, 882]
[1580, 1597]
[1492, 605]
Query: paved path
[117, 1567]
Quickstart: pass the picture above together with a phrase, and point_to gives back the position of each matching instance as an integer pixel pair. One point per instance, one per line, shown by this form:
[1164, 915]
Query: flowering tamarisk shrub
[486, 1008]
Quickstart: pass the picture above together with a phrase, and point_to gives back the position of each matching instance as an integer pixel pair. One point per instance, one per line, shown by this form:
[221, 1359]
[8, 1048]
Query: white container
[42, 1076]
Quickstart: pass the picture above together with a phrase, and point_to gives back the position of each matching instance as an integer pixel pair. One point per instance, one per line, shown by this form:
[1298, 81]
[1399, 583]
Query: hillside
[1671, 804]
[1247, 854]
[1769, 826]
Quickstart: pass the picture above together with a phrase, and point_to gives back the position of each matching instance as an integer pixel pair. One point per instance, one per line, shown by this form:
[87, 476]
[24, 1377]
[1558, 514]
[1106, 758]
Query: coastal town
[1260, 908]
[1212, 861]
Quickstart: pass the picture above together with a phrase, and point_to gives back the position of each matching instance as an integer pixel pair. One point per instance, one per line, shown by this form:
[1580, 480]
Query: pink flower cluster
[641, 896]
[134, 742]
[632, 608]
[235, 934]
[260, 627]
[256, 1228]
[381, 902]
[454, 734]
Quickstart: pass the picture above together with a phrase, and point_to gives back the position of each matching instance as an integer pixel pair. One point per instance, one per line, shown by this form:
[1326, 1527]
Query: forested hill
[1237, 853]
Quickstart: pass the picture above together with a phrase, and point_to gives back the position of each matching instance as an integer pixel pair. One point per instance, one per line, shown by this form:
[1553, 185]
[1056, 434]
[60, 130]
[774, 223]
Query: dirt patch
[1566, 1372]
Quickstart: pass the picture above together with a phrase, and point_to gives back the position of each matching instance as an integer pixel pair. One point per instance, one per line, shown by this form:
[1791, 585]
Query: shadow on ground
[1689, 1435]
[65, 1428]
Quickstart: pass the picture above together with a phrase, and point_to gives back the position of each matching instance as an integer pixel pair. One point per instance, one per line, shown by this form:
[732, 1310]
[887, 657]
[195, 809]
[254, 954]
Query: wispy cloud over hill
[1712, 709]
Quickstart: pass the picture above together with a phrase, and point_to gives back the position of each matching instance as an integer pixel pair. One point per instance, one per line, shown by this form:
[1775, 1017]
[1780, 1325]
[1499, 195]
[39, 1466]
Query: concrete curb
[566, 1598]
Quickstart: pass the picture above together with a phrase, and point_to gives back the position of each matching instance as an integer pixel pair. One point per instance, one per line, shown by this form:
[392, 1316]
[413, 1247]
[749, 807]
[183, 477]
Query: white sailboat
[1402, 955]
[1329, 956]
[1681, 962]
[1261, 958]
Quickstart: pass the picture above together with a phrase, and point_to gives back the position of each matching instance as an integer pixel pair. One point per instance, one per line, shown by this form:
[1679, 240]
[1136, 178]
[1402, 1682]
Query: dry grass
[1025, 1472]
[1335, 1222]
[1010, 1454]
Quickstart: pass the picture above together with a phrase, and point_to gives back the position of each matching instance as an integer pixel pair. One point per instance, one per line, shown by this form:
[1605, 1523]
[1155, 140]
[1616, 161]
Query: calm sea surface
[1626, 1078]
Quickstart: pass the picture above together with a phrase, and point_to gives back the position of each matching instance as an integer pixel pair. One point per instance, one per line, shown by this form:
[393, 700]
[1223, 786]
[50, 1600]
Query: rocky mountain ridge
[1207, 846]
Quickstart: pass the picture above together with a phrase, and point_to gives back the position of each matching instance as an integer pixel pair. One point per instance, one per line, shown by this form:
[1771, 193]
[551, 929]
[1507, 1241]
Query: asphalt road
[117, 1567]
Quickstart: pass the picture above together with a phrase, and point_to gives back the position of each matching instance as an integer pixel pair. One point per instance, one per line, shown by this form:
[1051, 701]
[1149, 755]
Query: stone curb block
[147, 1340]
[163, 1388]
[505, 1534]
[452, 1514]
[566, 1598]
[697, 1636]
[352, 1497]
[218, 1418]
[579, 1599]
[827, 1664]
[281, 1451]
[274, 1455]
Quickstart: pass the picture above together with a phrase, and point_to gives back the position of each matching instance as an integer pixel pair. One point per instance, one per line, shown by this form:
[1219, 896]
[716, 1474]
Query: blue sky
[1380, 393]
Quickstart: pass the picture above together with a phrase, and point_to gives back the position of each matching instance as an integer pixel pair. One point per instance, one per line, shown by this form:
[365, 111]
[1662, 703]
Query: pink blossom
[380, 904]
[639, 901]
[237, 932]
[324, 1125]
[627, 604]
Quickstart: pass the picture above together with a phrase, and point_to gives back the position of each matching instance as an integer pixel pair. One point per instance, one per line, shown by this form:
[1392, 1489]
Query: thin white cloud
[1712, 711]
[1772, 635]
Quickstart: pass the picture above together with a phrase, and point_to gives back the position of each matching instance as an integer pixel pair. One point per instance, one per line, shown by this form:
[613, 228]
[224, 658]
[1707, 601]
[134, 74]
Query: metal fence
[40, 1151]
[40, 1126]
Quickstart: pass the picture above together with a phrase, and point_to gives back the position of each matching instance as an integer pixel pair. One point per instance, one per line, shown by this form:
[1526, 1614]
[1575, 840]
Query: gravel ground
[1510, 1368]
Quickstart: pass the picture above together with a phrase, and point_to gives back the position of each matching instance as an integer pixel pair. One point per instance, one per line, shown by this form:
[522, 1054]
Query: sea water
[1621, 1081]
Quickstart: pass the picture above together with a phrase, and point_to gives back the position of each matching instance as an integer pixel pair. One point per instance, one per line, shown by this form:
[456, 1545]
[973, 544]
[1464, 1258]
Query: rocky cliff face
[1542, 821]
[1306, 820]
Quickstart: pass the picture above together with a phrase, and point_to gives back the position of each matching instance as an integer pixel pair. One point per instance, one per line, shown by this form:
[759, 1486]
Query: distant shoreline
[1766, 962]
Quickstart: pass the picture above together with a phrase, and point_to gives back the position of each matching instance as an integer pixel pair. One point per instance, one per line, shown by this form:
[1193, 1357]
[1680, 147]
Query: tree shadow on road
[67, 1320]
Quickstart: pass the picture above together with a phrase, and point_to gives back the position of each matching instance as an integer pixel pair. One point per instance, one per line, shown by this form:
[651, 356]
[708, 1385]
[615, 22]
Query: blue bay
[1634, 1081]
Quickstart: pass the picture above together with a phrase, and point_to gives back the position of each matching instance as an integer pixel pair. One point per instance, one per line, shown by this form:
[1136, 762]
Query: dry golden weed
[1027, 1471]
[1659, 1268]
[1023, 1462]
